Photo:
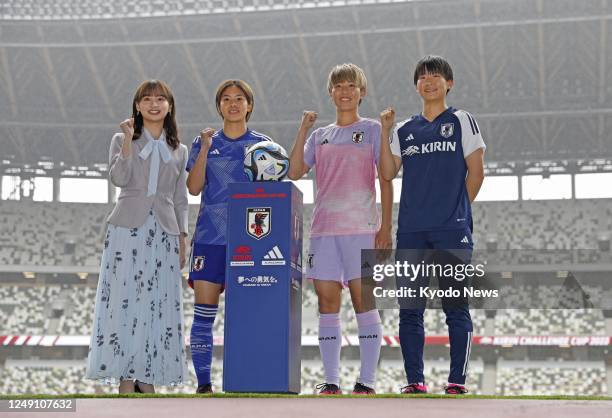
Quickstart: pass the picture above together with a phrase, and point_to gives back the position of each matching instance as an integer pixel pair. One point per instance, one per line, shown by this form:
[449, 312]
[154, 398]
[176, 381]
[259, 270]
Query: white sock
[370, 338]
[330, 343]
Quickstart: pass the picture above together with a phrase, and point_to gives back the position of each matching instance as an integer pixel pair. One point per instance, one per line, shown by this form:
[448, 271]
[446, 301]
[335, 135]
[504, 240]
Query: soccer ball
[266, 161]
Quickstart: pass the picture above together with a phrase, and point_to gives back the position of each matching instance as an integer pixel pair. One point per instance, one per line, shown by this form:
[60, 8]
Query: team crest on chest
[358, 137]
[258, 222]
[447, 130]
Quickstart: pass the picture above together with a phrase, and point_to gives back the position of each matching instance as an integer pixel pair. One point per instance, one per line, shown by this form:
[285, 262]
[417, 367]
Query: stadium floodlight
[562, 274]
[29, 275]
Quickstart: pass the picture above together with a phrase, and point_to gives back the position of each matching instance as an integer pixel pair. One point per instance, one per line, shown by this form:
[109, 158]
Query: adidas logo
[325, 141]
[465, 240]
[274, 258]
[409, 138]
[215, 152]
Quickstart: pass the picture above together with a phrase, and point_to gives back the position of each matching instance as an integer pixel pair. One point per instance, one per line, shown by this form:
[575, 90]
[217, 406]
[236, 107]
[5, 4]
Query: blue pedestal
[263, 300]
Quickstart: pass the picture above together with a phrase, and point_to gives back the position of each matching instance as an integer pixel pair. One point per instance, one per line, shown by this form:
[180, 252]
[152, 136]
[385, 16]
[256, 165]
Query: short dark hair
[433, 64]
[242, 85]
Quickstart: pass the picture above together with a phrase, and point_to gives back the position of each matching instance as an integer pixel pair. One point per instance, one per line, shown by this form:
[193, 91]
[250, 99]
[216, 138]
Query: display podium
[263, 291]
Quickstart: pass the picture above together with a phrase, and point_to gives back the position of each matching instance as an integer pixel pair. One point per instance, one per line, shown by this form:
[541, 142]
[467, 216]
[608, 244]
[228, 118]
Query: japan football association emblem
[358, 137]
[198, 263]
[447, 129]
[259, 222]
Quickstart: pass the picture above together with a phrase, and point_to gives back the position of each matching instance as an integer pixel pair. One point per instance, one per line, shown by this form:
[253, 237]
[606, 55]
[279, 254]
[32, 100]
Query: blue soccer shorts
[207, 262]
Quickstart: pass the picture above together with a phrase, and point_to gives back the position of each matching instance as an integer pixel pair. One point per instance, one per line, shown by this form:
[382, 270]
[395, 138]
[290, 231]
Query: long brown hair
[159, 88]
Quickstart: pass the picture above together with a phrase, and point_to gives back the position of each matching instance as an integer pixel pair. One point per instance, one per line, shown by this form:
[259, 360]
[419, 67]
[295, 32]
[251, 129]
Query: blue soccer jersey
[434, 196]
[225, 164]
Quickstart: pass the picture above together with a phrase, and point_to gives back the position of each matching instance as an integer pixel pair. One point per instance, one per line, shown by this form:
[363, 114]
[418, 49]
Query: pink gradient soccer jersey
[345, 159]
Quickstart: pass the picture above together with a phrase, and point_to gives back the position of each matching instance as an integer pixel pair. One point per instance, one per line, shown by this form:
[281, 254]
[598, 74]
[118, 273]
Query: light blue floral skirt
[138, 323]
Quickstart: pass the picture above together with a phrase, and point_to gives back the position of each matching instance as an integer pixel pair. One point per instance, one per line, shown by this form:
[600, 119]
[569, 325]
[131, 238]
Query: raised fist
[206, 138]
[308, 119]
[127, 127]
[387, 118]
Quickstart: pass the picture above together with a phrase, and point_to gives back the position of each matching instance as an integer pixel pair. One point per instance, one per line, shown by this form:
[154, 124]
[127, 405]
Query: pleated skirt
[138, 323]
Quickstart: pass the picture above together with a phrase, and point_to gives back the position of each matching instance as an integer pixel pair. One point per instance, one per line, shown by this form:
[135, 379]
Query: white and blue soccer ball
[266, 161]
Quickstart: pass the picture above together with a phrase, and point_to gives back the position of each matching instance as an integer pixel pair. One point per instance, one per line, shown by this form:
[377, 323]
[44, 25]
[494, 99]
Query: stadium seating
[26, 309]
[68, 310]
[513, 378]
[539, 378]
[72, 234]
[78, 312]
[56, 234]
[585, 378]
[61, 380]
[542, 225]
[69, 379]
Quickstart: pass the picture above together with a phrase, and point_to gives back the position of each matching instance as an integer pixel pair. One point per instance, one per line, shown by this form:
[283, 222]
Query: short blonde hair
[346, 72]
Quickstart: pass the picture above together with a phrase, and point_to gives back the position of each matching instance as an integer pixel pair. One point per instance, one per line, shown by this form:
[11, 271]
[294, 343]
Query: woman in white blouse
[137, 339]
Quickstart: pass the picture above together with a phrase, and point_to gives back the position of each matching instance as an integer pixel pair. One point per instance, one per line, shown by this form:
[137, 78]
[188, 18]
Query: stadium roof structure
[537, 74]
[112, 9]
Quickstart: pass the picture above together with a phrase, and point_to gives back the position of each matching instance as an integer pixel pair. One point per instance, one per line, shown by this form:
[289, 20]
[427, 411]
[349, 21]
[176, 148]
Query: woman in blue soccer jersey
[441, 151]
[137, 338]
[216, 159]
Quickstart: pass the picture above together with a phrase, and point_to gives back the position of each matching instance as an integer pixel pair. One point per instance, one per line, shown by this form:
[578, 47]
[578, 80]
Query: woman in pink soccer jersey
[137, 339]
[345, 220]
